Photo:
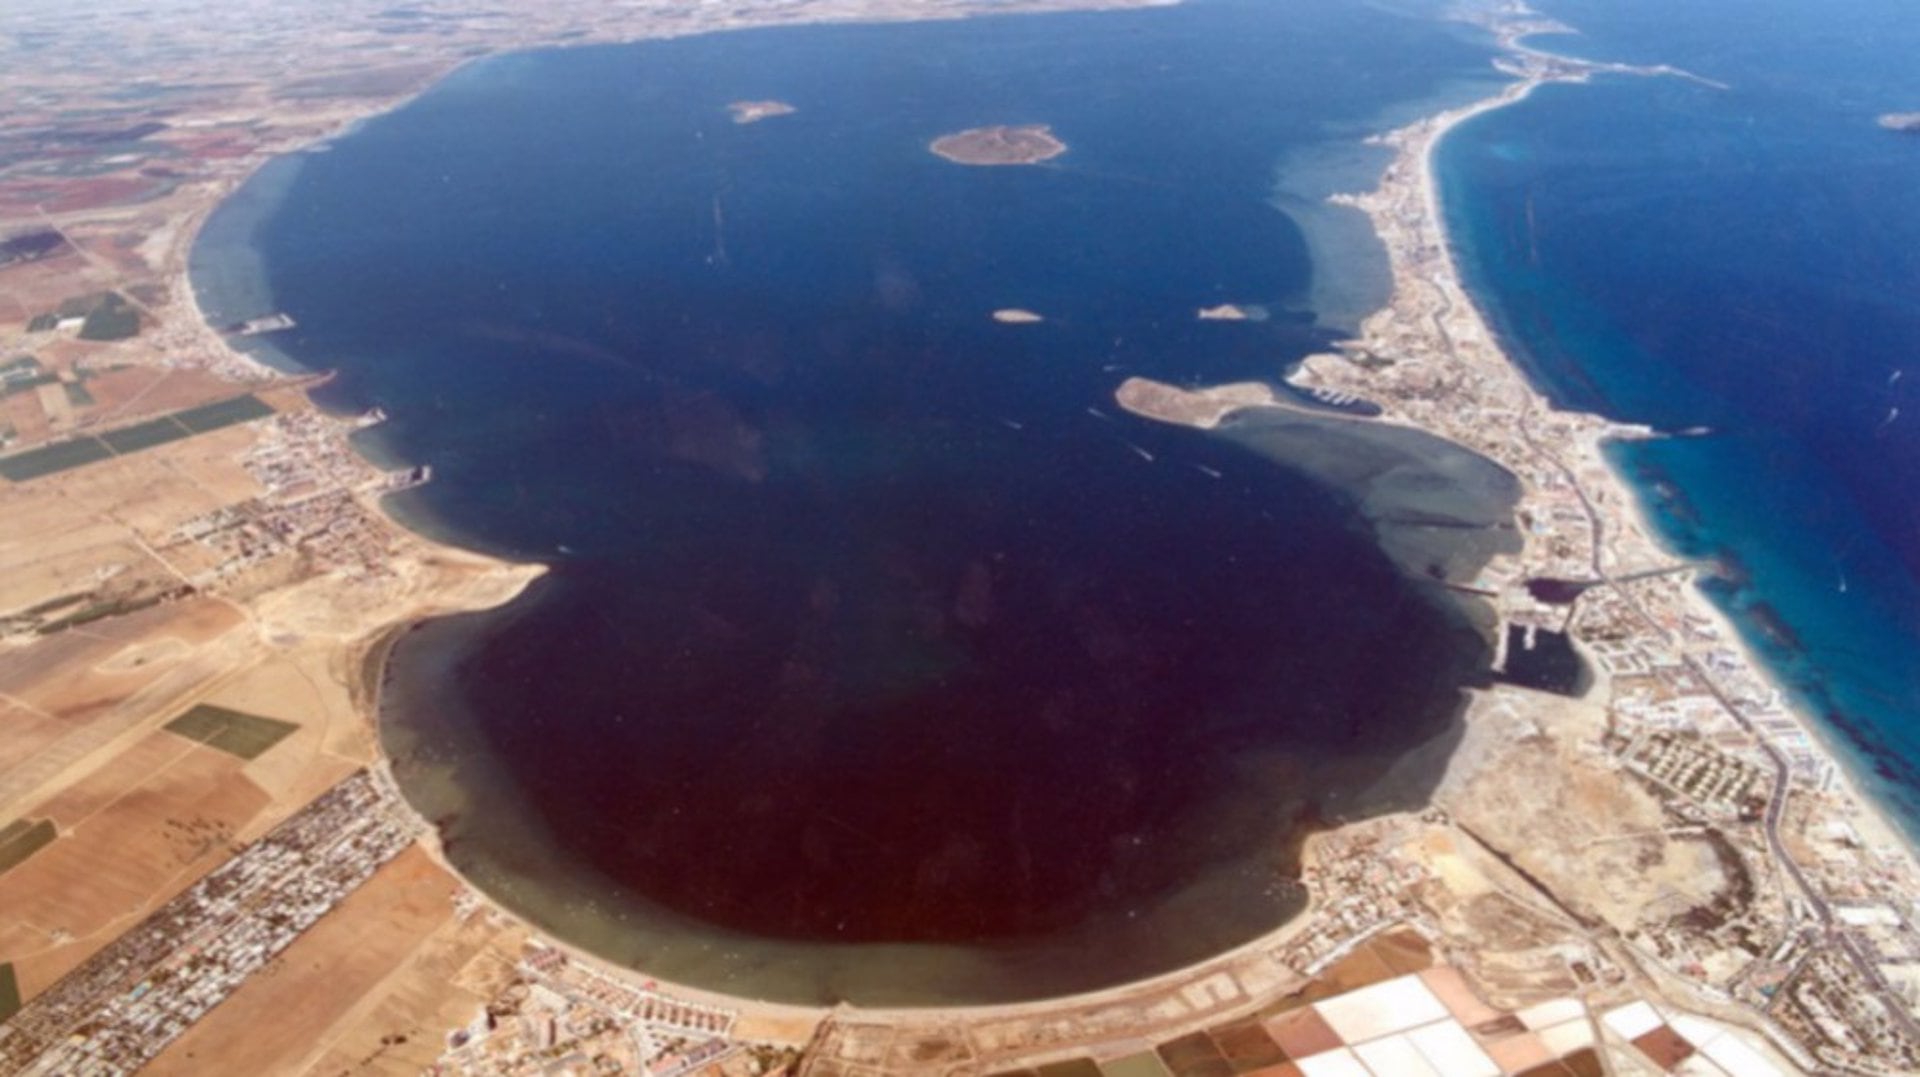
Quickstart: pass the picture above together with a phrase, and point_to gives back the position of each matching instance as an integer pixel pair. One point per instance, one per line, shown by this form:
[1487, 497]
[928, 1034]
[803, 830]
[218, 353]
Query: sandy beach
[1633, 514]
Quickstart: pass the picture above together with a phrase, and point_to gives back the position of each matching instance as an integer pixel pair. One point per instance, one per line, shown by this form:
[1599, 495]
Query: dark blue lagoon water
[1745, 260]
[882, 657]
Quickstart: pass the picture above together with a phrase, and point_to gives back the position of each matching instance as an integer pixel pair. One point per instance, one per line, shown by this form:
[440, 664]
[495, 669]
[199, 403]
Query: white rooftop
[1867, 915]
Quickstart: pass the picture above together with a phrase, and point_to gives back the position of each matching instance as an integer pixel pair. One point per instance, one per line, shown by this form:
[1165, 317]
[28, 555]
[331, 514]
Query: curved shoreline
[1257, 952]
[1430, 134]
[434, 811]
[380, 650]
[967, 968]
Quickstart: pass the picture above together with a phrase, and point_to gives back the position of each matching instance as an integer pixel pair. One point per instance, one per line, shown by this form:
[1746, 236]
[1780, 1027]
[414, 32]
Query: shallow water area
[884, 657]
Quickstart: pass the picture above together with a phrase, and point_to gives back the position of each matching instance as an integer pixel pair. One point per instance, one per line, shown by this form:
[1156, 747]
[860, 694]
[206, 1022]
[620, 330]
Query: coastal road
[1782, 769]
[1782, 772]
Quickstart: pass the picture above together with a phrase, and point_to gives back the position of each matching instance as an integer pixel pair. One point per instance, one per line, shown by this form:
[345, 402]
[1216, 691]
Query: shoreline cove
[1381, 332]
[1415, 666]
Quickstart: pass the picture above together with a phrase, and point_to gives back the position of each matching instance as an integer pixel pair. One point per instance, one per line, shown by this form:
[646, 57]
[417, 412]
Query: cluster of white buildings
[315, 506]
[126, 1003]
[1362, 884]
[562, 1016]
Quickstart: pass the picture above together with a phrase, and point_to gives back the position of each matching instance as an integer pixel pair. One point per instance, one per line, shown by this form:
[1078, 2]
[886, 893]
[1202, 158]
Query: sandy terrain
[1590, 837]
[1203, 408]
[443, 986]
[85, 701]
[154, 491]
[283, 1019]
[23, 732]
[143, 813]
[132, 834]
[125, 395]
[53, 545]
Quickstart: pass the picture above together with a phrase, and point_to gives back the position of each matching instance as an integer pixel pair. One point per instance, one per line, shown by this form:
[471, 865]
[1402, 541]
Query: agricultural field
[22, 838]
[245, 735]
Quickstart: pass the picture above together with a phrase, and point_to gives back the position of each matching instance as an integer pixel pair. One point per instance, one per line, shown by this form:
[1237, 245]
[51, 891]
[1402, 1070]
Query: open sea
[1745, 261]
[883, 658]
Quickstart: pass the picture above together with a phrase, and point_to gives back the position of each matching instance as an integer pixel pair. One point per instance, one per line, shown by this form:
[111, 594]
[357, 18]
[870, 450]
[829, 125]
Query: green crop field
[46, 461]
[21, 839]
[9, 993]
[130, 439]
[113, 319]
[50, 459]
[239, 409]
[234, 732]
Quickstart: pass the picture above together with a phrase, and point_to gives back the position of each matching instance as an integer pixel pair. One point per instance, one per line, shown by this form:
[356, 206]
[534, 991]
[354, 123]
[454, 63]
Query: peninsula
[1001, 145]
[1678, 696]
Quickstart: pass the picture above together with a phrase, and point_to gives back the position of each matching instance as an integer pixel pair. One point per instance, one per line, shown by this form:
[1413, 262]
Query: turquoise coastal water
[1746, 261]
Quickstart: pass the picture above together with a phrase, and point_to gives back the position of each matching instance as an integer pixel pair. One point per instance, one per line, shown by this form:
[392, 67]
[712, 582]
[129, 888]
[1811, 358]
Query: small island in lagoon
[755, 111]
[1000, 145]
